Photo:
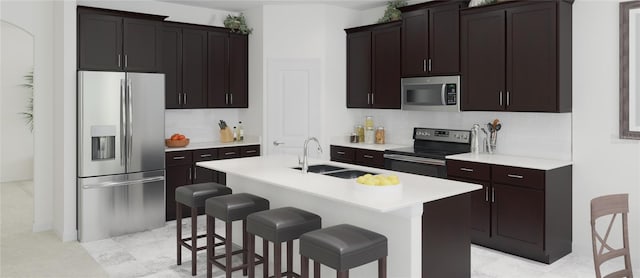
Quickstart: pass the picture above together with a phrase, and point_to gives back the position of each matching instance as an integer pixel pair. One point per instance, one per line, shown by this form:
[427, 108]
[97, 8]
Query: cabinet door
[480, 210]
[194, 68]
[248, 151]
[369, 158]
[238, 71]
[483, 61]
[444, 40]
[415, 39]
[386, 68]
[172, 66]
[229, 152]
[142, 45]
[218, 89]
[359, 69]
[176, 176]
[99, 42]
[532, 58]
[518, 216]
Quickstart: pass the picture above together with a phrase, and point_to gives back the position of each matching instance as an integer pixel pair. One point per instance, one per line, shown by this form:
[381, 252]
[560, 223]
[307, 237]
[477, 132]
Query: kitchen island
[436, 244]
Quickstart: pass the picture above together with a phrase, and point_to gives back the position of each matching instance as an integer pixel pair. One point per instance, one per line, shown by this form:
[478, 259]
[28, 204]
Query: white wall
[16, 147]
[200, 125]
[37, 18]
[253, 119]
[603, 163]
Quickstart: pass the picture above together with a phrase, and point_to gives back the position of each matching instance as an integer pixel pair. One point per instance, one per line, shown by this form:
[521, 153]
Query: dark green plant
[237, 24]
[28, 114]
[392, 13]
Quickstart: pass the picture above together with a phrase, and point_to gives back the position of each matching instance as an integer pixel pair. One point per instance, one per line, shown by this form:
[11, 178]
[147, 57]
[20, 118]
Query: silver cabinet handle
[251, 151]
[126, 61]
[226, 98]
[486, 194]
[500, 98]
[195, 173]
[493, 195]
[277, 143]
[340, 153]
[179, 98]
[230, 153]
[184, 95]
[368, 98]
[515, 176]
[466, 169]
[189, 173]
[373, 98]
[429, 64]
[178, 157]
[123, 123]
[424, 65]
[508, 98]
[368, 156]
[230, 98]
[205, 155]
[119, 60]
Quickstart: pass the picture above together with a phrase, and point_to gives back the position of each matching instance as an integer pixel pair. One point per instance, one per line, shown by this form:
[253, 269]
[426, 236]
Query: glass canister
[360, 133]
[380, 135]
[369, 136]
[368, 122]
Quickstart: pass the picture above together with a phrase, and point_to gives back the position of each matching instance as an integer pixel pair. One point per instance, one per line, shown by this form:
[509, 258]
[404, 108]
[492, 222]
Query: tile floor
[152, 253]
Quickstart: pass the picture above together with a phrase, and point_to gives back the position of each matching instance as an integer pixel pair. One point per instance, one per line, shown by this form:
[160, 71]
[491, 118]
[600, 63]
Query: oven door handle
[421, 160]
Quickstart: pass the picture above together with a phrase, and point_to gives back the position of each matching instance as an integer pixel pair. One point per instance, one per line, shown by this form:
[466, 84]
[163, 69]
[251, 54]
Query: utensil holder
[226, 135]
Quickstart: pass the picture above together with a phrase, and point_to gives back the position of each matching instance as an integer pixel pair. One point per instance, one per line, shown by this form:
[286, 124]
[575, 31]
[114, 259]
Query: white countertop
[210, 145]
[276, 170]
[375, 147]
[511, 160]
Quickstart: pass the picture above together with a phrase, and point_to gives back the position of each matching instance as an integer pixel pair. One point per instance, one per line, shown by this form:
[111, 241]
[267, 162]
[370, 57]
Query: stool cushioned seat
[235, 207]
[194, 195]
[343, 247]
[282, 224]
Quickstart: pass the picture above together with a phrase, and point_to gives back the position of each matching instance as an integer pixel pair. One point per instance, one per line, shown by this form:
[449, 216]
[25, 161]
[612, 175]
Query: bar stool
[194, 196]
[278, 226]
[231, 208]
[342, 247]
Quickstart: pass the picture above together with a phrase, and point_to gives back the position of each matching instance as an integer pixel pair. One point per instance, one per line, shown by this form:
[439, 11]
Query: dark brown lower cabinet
[525, 212]
[364, 157]
[181, 170]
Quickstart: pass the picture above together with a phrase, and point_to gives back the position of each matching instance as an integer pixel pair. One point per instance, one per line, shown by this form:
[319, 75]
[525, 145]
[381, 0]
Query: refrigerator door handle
[123, 123]
[130, 118]
[121, 183]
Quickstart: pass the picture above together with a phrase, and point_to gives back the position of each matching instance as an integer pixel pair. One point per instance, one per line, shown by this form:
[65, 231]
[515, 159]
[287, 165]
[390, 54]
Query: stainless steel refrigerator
[121, 167]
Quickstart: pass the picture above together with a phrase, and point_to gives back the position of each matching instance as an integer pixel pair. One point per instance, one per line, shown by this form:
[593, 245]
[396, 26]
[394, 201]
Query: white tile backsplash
[199, 125]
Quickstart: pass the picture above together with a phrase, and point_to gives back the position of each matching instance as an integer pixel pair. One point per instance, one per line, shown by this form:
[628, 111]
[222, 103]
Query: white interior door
[293, 104]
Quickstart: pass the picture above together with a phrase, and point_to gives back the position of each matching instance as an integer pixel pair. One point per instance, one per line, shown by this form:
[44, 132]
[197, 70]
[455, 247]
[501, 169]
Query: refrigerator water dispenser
[103, 142]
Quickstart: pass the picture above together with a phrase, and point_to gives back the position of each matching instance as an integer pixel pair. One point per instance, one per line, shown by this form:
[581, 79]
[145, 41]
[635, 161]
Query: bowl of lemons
[378, 186]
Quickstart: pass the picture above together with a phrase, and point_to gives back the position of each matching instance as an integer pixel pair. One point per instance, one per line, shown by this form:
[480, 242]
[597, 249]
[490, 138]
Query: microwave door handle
[443, 94]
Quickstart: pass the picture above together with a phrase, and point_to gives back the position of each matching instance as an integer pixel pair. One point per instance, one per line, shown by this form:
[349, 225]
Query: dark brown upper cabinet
[119, 41]
[373, 66]
[228, 58]
[185, 66]
[430, 39]
[516, 56]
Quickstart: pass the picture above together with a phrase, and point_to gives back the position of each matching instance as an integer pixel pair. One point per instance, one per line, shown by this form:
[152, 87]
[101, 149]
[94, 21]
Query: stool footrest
[259, 260]
[287, 274]
[184, 242]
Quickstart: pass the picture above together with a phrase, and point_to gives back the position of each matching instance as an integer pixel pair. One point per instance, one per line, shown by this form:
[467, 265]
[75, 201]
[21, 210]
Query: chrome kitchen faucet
[305, 162]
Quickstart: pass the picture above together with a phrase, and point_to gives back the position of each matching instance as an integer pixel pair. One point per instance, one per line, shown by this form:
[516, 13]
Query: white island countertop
[276, 170]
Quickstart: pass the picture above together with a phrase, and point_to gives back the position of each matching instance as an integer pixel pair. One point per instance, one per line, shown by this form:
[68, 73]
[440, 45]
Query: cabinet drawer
[370, 158]
[205, 155]
[248, 151]
[226, 153]
[178, 158]
[518, 176]
[470, 170]
[342, 154]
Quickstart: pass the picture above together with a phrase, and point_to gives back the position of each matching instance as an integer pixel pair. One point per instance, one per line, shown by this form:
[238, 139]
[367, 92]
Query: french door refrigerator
[121, 168]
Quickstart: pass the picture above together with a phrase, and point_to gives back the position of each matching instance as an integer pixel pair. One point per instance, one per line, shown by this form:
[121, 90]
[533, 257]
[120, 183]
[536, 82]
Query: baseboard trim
[41, 227]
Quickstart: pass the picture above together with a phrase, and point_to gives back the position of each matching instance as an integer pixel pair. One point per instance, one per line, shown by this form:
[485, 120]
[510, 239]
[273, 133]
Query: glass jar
[368, 122]
[353, 138]
[369, 136]
[380, 135]
[360, 132]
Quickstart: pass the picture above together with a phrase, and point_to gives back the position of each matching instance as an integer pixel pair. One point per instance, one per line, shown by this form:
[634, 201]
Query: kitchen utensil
[486, 141]
[498, 127]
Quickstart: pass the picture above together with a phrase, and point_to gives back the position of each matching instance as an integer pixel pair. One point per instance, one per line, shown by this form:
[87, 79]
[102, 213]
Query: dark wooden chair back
[610, 205]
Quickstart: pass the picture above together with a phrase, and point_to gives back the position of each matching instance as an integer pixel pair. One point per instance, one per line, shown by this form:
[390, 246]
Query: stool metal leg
[382, 267]
[316, 269]
[244, 247]
[290, 259]
[179, 232]
[304, 267]
[194, 239]
[251, 238]
[277, 259]
[343, 274]
[227, 249]
[210, 240]
[265, 256]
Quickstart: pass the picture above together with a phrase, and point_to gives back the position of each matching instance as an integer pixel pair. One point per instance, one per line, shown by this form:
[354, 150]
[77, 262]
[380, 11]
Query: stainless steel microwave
[435, 93]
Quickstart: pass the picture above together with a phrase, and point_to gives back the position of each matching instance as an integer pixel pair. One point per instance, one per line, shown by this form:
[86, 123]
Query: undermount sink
[348, 174]
[321, 168]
